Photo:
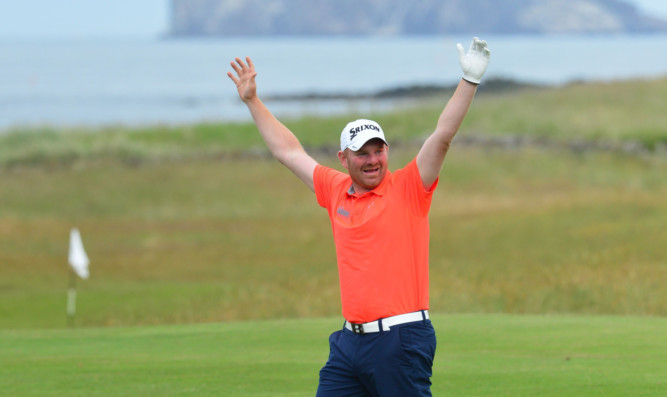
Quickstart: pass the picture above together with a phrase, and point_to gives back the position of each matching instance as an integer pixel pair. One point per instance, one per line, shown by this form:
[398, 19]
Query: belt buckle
[357, 329]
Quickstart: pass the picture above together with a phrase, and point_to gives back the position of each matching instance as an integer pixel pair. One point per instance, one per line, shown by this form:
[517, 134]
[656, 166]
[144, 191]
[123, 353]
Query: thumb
[462, 52]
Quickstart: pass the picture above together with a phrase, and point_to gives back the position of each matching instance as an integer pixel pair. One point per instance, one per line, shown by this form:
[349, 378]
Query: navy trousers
[397, 362]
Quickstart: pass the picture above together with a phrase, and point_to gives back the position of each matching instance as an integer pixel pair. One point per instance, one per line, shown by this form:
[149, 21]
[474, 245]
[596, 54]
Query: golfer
[380, 228]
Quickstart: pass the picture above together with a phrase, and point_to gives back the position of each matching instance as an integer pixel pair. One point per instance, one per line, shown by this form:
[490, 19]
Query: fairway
[477, 355]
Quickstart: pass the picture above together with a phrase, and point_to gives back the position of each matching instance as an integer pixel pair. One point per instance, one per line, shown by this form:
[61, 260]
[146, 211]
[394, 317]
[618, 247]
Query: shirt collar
[380, 190]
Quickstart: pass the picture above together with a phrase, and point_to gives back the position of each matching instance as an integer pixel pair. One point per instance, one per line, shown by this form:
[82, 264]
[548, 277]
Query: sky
[83, 18]
[21, 19]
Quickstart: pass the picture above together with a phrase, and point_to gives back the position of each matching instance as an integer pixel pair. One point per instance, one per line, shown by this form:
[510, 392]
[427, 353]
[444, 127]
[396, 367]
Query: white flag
[77, 255]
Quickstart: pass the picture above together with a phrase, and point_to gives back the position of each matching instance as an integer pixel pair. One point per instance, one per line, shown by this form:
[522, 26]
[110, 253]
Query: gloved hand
[474, 63]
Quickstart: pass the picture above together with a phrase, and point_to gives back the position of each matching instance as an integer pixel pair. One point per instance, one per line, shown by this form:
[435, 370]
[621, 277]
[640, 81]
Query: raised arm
[282, 143]
[432, 154]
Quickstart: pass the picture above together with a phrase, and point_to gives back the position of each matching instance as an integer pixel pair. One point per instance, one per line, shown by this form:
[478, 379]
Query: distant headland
[211, 18]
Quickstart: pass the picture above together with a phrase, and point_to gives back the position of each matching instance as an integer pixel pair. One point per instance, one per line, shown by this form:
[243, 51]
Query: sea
[124, 82]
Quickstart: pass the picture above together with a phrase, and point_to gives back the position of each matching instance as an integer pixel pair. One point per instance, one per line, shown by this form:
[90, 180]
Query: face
[367, 166]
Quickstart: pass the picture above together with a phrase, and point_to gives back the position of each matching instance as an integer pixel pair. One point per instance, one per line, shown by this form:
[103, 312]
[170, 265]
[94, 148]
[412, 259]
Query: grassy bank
[195, 224]
[242, 239]
[478, 355]
[608, 113]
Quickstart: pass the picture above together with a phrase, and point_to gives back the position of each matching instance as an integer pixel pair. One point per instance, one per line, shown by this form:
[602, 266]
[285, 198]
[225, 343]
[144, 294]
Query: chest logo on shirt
[343, 212]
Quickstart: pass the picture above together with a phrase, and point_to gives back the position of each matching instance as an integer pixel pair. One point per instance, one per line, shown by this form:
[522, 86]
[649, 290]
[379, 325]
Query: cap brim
[358, 145]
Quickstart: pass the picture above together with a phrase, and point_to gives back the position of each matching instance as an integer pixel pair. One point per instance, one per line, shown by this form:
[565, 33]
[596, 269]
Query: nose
[372, 158]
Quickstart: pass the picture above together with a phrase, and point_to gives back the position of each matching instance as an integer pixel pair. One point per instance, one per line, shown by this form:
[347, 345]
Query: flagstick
[78, 261]
[71, 299]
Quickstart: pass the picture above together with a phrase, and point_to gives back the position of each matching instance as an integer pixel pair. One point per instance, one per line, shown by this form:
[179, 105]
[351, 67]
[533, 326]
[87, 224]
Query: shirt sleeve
[416, 192]
[326, 180]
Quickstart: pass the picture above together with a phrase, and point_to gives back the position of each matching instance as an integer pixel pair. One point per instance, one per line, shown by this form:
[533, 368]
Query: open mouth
[372, 171]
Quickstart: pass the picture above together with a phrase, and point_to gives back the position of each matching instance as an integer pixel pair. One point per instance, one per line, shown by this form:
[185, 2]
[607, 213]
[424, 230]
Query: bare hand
[245, 82]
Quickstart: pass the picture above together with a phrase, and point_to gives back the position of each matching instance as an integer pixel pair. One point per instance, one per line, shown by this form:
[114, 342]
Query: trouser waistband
[384, 324]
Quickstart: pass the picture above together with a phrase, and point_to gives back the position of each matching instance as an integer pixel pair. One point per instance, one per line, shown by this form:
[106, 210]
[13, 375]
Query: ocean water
[96, 83]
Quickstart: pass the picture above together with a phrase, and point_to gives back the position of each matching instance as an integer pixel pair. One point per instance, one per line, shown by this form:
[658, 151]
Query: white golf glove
[474, 63]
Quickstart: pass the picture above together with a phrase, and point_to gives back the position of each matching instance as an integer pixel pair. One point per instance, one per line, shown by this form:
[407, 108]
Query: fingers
[243, 76]
[477, 45]
[473, 45]
[234, 79]
[241, 67]
[483, 47]
[238, 66]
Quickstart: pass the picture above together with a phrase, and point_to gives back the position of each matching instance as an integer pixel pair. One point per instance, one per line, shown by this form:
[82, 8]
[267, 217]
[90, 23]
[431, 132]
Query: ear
[342, 157]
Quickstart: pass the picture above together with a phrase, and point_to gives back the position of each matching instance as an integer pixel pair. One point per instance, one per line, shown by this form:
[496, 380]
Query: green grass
[477, 355]
[556, 256]
[223, 240]
[605, 111]
[198, 224]
[611, 113]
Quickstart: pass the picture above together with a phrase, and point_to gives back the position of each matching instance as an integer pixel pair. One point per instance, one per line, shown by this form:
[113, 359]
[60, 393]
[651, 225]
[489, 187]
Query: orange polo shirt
[381, 240]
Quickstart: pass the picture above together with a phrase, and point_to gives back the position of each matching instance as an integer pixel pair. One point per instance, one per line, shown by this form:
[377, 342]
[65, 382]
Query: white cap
[358, 132]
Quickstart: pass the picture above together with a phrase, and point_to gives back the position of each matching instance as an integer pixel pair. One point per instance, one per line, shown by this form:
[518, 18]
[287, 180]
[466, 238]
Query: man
[380, 227]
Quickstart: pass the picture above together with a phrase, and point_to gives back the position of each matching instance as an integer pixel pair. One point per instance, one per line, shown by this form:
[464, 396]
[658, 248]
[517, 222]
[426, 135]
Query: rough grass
[608, 113]
[218, 240]
[197, 224]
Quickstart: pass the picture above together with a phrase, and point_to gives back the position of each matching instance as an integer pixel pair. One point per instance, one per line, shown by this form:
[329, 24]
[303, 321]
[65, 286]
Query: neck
[357, 189]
